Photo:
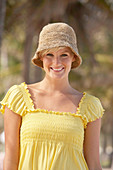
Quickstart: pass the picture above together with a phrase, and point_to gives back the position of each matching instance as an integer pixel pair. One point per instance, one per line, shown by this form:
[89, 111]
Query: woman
[48, 124]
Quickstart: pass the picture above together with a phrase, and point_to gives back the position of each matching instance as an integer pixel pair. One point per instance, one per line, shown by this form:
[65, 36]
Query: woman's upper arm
[91, 144]
[12, 123]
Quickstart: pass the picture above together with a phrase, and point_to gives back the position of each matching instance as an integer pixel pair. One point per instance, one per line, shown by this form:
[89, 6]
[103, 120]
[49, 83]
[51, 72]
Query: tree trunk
[2, 17]
[104, 144]
[38, 74]
[27, 55]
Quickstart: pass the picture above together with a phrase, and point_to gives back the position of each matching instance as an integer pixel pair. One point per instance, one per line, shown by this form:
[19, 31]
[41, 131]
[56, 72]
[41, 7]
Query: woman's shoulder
[14, 100]
[91, 99]
[91, 107]
[35, 89]
[91, 103]
[76, 93]
[34, 86]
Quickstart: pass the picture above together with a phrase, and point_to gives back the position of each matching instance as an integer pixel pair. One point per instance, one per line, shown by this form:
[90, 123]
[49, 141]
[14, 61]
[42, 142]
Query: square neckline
[52, 111]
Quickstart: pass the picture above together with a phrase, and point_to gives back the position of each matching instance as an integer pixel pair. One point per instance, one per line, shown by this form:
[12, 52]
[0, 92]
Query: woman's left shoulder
[91, 107]
[92, 99]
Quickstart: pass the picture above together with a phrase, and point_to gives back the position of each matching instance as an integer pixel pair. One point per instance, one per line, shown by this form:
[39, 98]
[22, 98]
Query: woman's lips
[57, 70]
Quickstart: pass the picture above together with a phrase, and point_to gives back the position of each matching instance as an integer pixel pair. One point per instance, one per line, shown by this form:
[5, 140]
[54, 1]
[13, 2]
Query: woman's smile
[57, 69]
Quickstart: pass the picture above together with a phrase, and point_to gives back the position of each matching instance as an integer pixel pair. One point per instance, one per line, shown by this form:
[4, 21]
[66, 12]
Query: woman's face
[57, 64]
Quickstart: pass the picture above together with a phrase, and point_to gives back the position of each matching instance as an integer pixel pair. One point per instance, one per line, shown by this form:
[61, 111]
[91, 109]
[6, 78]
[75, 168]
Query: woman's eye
[64, 55]
[49, 54]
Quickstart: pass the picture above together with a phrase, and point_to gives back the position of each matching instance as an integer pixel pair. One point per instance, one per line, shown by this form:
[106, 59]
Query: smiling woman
[49, 125]
[57, 60]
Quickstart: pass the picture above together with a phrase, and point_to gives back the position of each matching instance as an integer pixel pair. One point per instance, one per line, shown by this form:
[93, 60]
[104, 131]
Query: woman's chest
[61, 103]
[58, 127]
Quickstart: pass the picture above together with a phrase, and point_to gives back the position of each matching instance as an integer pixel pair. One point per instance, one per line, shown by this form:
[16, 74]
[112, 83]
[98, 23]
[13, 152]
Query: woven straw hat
[57, 35]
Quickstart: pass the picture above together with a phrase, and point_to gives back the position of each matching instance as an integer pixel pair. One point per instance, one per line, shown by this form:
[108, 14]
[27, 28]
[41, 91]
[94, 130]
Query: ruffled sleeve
[91, 109]
[14, 100]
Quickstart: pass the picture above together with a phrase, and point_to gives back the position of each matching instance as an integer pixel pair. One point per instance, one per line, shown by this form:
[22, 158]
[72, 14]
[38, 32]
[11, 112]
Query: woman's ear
[41, 58]
[74, 58]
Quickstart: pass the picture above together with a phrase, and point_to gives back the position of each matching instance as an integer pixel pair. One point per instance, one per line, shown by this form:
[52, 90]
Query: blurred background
[20, 24]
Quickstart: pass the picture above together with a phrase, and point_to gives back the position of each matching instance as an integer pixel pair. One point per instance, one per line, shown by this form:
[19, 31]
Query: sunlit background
[92, 20]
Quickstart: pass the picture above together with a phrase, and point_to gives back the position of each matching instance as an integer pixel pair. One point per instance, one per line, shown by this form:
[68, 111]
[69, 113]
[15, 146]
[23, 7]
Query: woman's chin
[58, 77]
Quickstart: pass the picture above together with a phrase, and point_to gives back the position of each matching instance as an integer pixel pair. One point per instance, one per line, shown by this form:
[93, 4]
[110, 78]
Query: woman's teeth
[57, 69]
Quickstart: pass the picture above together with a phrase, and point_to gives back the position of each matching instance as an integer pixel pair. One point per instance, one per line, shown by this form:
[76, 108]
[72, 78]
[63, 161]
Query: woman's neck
[52, 85]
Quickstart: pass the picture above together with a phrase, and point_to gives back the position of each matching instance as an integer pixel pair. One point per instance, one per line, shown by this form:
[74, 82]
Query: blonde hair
[44, 52]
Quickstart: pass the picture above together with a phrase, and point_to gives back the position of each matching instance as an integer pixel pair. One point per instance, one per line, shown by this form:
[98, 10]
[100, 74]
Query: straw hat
[57, 35]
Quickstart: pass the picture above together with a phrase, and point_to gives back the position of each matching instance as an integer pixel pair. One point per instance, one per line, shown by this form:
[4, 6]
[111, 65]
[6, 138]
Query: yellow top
[51, 140]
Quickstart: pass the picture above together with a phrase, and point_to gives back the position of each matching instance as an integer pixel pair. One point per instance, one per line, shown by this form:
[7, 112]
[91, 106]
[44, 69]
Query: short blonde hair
[44, 52]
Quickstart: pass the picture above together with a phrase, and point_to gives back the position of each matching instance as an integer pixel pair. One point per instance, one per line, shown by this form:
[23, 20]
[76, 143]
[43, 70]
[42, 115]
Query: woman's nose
[56, 60]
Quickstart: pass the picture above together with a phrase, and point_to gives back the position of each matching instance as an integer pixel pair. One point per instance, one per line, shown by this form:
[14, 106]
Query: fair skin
[91, 145]
[55, 85]
[12, 123]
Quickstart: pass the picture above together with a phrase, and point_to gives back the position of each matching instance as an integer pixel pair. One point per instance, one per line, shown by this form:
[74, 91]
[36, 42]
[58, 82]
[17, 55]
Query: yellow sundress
[51, 140]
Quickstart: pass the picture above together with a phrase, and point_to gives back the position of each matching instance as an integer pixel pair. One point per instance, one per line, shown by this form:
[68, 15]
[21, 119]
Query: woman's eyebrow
[65, 52]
